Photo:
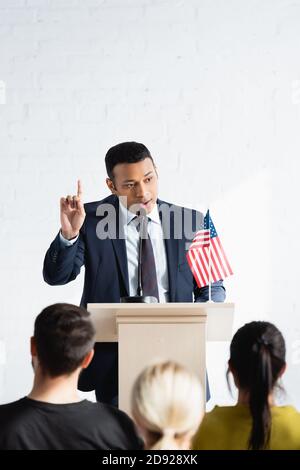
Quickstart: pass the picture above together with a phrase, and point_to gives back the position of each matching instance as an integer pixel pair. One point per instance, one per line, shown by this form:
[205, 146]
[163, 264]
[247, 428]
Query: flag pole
[209, 261]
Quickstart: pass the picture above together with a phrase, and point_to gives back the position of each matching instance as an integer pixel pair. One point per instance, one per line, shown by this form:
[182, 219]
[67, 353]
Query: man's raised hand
[72, 213]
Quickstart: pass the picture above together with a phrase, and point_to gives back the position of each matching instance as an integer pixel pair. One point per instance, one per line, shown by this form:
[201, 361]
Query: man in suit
[103, 237]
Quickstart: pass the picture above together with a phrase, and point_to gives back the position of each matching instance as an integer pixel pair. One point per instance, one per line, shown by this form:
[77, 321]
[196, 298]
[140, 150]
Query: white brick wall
[212, 88]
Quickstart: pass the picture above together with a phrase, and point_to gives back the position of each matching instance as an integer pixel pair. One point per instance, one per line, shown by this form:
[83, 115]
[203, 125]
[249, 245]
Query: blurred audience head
[167, 405]
[63, 340]
[257, 360]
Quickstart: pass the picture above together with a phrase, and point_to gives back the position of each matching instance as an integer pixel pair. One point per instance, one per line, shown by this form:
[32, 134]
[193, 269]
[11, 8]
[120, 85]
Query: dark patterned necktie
[148, 268]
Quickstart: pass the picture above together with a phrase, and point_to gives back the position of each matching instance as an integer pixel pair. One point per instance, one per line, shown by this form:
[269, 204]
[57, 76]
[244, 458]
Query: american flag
[206, 252]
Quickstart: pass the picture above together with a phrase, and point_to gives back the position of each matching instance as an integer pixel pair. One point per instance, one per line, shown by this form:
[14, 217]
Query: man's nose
[141, 190]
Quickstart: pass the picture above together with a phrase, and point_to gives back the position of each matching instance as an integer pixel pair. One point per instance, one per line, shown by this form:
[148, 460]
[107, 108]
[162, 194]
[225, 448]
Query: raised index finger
[79, 188]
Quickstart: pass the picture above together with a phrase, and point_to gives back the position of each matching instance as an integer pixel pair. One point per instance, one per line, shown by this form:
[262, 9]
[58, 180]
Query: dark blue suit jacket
[105, 260]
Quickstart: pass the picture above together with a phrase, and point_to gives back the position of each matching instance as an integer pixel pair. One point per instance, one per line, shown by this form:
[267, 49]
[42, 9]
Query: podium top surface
[171, 308]
[192, 308]
[218, 316]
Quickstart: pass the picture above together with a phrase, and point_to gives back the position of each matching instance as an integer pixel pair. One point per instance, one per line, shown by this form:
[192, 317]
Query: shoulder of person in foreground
[119, 425]
[213, 428]
[286, 427]
[11, 415]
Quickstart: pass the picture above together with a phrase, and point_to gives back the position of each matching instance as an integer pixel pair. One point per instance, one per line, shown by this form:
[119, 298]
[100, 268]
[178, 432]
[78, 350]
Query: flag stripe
[221, 259]
[224, 256]
[194, 265]
[197, 245]
[206, 254]
[204, 263]
[200, 267]
[214, 264]
[203, 274]
[202, 235]
[218, 260]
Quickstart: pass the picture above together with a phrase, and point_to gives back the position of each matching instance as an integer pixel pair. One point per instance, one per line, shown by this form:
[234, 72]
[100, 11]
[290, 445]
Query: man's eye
[148, 179]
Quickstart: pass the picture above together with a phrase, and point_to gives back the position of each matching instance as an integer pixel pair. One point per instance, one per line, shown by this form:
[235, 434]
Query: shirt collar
[127, 216]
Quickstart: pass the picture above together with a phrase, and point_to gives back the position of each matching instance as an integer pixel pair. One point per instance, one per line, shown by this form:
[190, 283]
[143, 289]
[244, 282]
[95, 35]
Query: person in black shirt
[53, 416]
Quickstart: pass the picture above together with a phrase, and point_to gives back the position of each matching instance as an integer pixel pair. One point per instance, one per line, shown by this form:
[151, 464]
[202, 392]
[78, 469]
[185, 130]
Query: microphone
[139, 297]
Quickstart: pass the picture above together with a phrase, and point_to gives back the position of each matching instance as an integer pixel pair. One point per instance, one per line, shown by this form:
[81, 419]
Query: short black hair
[64, 334]
[126, 152]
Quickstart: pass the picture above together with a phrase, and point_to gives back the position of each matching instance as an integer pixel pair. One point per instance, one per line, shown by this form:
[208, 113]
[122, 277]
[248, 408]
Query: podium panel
[153, 332]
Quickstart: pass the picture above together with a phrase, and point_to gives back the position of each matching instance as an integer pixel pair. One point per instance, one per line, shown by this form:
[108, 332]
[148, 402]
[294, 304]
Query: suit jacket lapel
[171, 245]
[119, 245]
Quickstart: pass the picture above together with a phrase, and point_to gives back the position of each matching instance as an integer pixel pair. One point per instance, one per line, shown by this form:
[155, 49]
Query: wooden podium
[150, 332]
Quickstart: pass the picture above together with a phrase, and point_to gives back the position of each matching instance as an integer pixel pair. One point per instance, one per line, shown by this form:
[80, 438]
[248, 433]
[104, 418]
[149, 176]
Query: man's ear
[87, 360]
[111, 185]
[33, 346]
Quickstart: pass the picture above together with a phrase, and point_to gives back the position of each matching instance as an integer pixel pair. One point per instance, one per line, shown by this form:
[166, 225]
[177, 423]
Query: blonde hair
[167, 404]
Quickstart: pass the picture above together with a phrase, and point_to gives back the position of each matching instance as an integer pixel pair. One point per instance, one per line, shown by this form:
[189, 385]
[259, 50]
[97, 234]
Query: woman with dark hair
[257, 361]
